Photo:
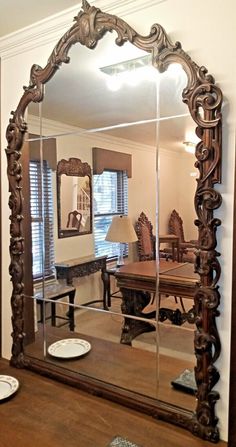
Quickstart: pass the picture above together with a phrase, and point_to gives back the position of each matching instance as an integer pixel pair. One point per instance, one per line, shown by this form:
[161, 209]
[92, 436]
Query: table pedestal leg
[133, 302]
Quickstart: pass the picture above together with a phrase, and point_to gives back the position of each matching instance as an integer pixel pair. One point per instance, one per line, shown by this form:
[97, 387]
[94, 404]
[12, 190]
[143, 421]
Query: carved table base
[133, 302]
[176, 316]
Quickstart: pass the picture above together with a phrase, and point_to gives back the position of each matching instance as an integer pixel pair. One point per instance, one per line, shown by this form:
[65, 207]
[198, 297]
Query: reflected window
[110, 199]
[41, 208]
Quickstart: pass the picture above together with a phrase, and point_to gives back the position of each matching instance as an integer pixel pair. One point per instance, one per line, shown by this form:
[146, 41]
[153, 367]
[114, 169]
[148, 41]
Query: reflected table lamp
[121, 230]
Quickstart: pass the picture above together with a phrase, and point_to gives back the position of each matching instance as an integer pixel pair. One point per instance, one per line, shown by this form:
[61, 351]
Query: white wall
[207, 32]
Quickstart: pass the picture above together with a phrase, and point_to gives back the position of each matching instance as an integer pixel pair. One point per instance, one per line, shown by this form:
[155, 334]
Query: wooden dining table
[138, 280]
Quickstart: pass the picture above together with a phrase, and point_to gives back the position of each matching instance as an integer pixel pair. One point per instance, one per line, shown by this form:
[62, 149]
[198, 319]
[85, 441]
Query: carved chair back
[175, 226]
[186, 248]
[74, 220]
[146, 239]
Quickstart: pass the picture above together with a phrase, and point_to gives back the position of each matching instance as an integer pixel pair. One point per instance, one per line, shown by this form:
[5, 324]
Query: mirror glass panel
[95, 113]
[177, 239]
[90, 114]
[94, 349]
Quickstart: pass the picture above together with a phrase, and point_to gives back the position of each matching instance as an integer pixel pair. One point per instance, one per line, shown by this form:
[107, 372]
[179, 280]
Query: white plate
[69, 348]
[8, 386]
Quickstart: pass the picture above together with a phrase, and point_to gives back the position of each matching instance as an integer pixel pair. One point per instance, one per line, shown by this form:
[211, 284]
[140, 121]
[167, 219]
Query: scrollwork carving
[204, 100]
[73, 166]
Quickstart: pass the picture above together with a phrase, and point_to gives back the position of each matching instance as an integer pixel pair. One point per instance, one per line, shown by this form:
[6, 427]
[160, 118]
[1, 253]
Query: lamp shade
[121, 230]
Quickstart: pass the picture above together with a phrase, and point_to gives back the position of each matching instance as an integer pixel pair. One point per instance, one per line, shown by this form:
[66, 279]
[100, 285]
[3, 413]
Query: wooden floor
[123, 369]
[45, 413]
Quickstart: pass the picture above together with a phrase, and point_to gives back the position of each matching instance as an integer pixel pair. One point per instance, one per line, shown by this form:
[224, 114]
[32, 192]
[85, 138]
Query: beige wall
[174, 184]
[207, 33]
[141, 187]
[176, 189]
[141, 192]
[187, 187]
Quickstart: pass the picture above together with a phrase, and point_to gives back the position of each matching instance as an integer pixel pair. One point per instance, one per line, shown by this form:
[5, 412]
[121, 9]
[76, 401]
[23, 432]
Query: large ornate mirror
[131, 130]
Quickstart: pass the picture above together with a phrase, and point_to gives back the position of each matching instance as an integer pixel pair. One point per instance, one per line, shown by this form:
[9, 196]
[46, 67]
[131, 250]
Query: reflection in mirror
[94, 348]
[74, 198]
[134, 137]
[137, 138]
[177, 237]
[117, 138]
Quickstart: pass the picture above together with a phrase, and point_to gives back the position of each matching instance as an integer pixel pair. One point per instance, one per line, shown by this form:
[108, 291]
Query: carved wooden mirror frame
[204, 100]
[72, 167]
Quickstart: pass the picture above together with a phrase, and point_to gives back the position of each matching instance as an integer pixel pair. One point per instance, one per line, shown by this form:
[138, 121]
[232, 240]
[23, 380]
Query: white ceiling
[78, 95]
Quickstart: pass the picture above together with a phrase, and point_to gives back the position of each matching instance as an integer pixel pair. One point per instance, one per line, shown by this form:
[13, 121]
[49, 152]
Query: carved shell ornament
[204, 100]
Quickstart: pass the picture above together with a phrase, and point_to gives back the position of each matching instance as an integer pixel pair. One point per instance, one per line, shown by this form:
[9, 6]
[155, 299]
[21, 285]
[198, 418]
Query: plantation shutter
[41, 219]
[110, 199]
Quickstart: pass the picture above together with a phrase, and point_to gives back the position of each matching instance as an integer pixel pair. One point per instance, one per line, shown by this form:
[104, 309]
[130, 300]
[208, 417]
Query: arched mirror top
[203, 97]
[204, 100]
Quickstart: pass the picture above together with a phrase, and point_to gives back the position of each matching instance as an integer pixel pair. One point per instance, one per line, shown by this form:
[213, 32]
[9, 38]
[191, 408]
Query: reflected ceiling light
[175, 69]
[114, 83]
[130, 72]
[189, 147]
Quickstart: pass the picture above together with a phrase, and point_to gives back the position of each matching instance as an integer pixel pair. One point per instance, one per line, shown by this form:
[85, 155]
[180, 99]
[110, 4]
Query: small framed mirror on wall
[74, 198]
[186, 99]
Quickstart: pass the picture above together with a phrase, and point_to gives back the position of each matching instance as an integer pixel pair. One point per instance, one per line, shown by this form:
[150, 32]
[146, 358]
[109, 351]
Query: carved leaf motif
[73, 166]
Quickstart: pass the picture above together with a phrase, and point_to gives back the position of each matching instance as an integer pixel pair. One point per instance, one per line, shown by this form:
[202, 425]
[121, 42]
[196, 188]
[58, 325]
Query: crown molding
[55, 129]
[52, 28]
[169, 152]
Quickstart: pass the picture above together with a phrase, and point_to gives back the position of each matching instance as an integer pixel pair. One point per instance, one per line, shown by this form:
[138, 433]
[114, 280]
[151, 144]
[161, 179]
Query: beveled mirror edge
[72, 167]
[201, 95]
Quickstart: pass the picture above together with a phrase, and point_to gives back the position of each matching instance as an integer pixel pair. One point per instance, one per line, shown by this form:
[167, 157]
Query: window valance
[104, 159]
[49, 150]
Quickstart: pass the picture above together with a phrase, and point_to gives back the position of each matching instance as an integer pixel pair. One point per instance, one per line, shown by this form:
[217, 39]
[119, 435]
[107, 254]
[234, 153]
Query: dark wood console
[79, 267]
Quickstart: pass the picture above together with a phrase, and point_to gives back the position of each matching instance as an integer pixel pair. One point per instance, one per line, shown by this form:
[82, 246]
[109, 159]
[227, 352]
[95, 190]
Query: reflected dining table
[137, 280]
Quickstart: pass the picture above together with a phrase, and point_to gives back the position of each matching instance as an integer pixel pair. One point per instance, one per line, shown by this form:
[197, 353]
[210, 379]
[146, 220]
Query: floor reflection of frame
[133, 368]
[185, 382]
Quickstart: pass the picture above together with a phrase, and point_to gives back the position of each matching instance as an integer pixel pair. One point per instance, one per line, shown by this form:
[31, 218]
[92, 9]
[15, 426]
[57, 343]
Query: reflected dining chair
[146, 239]
[186, 248]
[74, 220]
[146, 244]
[147, 248]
